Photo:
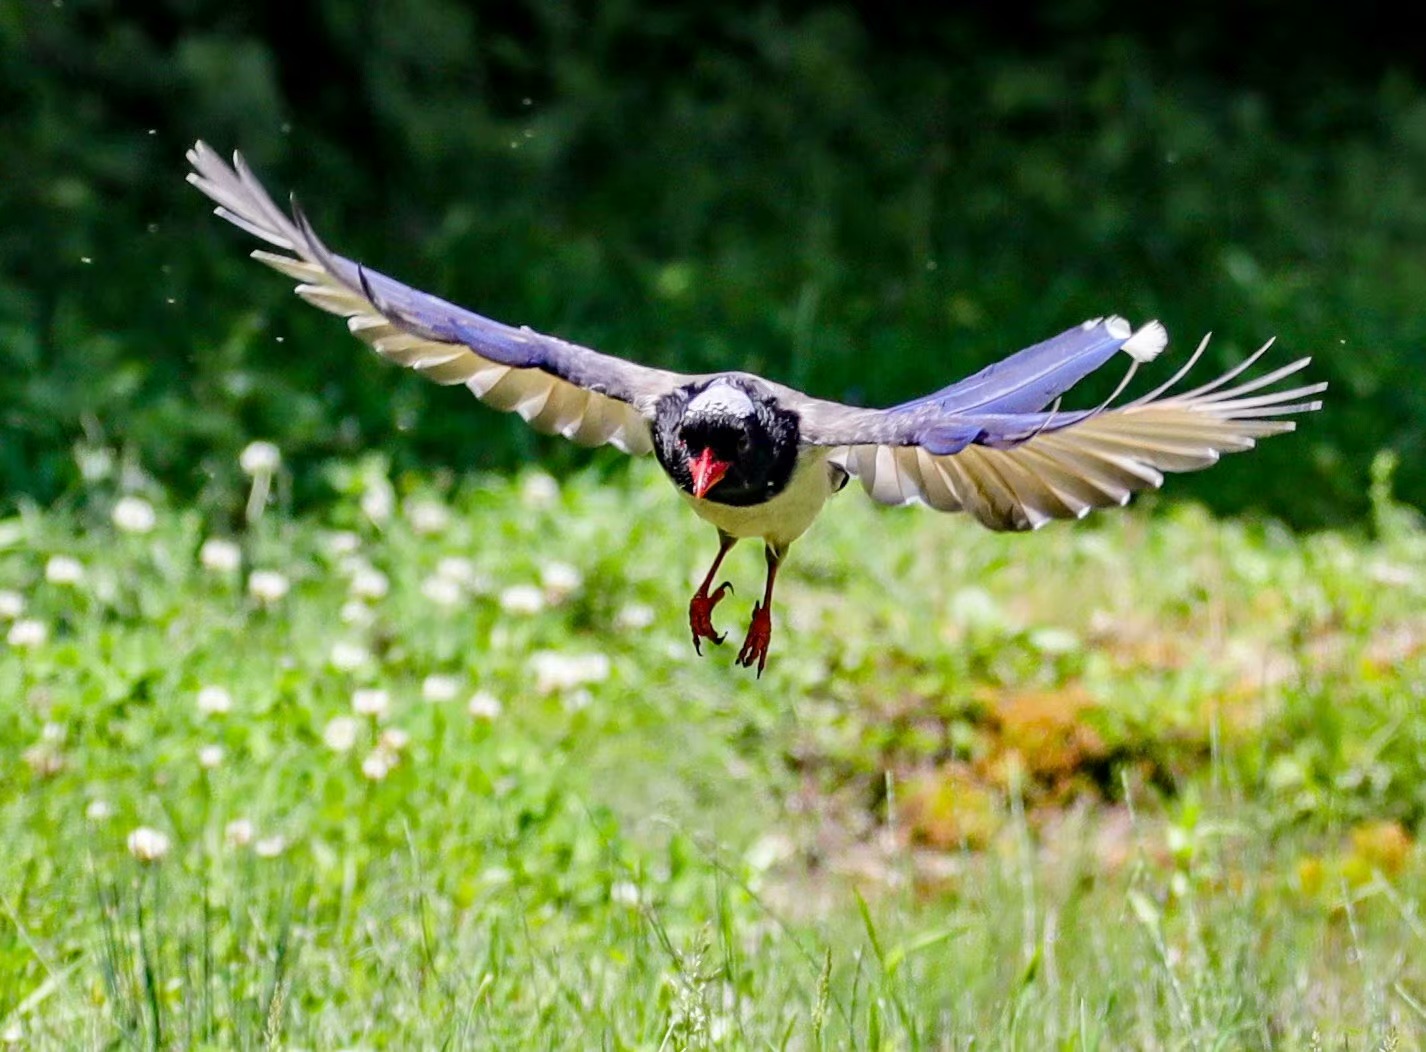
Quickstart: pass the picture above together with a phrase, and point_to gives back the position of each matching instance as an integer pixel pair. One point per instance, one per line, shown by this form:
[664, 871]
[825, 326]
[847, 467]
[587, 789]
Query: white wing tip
[1146, 344]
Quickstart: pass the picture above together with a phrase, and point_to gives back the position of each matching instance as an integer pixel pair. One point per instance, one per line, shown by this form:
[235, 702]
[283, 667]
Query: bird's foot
[759, 636]
[700, 615]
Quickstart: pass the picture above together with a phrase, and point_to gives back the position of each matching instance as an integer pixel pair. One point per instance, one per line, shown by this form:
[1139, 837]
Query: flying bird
[757, 459]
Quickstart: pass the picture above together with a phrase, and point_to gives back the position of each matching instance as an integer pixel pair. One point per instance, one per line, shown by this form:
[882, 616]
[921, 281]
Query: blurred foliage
[804, 193]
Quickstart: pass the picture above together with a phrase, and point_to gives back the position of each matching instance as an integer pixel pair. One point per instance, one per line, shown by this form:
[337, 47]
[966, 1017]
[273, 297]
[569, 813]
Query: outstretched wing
[559, 387]
[988, 446]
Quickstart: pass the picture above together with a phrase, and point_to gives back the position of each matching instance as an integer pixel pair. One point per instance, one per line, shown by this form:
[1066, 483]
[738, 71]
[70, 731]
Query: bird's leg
[760, 630]
[700, 607]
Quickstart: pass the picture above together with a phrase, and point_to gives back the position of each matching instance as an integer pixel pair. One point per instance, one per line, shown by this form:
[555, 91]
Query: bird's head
[728, 441]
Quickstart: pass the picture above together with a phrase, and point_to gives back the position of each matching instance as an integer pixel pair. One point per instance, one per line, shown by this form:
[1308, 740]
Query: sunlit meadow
[436, 766]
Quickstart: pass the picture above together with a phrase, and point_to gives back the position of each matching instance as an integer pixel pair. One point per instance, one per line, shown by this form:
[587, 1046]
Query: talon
[755, 646]
[700, 617]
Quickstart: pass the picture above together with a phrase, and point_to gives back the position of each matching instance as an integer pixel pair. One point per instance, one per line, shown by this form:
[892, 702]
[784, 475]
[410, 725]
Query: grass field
[434, 767]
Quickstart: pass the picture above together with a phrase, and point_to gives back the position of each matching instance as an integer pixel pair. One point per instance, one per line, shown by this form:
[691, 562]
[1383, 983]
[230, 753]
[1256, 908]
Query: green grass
[1150, 781]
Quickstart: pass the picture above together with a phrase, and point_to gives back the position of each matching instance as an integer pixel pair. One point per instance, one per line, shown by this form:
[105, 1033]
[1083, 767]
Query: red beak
[707, 470]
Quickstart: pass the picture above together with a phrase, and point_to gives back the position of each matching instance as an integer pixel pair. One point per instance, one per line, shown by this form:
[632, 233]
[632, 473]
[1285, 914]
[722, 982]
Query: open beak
[707, 470]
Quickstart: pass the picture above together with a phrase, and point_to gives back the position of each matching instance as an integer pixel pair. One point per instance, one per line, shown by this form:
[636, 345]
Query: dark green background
[868, 204]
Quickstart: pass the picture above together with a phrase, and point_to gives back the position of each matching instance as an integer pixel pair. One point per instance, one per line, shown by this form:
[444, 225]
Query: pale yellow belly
[781, 520]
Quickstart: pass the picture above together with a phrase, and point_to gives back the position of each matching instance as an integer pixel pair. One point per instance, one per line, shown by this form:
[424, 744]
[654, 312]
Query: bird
[758, 460]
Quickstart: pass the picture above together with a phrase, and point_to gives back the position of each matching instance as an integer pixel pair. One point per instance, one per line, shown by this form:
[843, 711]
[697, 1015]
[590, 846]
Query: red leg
[700, 608]
[760, 630]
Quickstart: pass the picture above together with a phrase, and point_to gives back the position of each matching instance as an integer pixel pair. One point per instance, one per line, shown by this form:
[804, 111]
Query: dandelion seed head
[356, 612]
[134, 515]
[634, 617]
[239, 832]
[377, 765]
[342, 542]
[64, 569]
[369, 583]
[44, 759]
[12, 605]
[539, 490]
[624, 893]
[484, 706]
[437, 688]
[557, 671]
[347, 656]
[98, 810]
[561, 580]
[260, 458]
[442, 591]
[27, 634]
[268, 586]
[427, 517]
[220, 555]
[462, 571]
[214, 700]
[371, 701]
[148, 845]
[341, 733]
[378, 502]
[522, 599]
[393, 739]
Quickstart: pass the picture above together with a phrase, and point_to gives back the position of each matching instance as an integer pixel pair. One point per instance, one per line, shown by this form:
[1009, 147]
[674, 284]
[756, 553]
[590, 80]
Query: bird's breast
[783, 518]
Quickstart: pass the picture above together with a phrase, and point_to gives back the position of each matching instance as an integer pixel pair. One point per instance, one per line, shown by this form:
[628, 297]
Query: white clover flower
[44, 759]
[347, 656]
[95, 463]
[522, 599]
[427, 517]
[270, 846]
[484, 706]
[633, 617]
[342, 542]
[98, 810]
[341, 733]
[260, 458]
[356, 612]
[134, 515]
[378, 502]
[393, 739]
[561, 580]
[377, 765]
[371, 701]
[539, 490]
[268, 586]
[219, 555]
[210, 757]
[214, 701]
[12, 605]
[556, 671]
[436, 688]
[442, 591]
[239, 832]
[54, 733]
[459, 569]
[26, 634]
[369, 583]
[148, 845]
[624, 893]
[64, 569]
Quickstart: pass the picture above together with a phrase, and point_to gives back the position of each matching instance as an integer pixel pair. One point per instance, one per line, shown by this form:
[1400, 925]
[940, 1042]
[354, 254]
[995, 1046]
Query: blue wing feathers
[1031, 379]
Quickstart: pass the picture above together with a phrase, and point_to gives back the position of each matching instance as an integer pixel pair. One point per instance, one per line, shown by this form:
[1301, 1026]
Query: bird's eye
[745, 444]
